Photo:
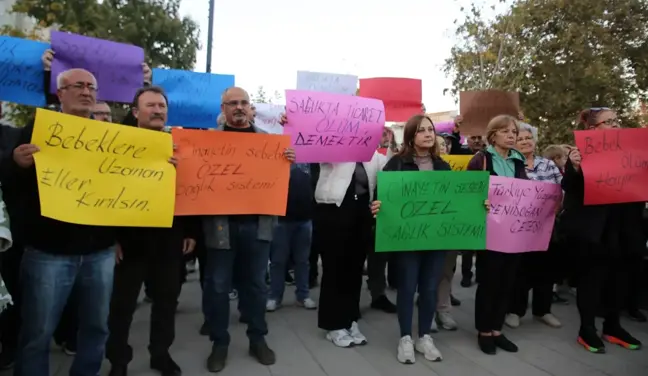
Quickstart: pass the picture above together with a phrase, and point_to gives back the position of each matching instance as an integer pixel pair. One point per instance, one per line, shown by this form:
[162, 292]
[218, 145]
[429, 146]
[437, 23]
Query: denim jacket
[216, 227]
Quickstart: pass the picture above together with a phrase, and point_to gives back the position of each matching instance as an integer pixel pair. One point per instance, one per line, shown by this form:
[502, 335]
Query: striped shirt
[544, 170]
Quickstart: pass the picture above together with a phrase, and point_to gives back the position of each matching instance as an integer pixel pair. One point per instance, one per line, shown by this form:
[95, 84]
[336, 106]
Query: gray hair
[61, 77]
[529, 128]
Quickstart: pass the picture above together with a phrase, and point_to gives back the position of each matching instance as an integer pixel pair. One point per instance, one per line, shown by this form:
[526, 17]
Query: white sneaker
[358, 338]
[307, 303]
[445, 320]
[272, 305]
[550, 320]
[406, 350]
[435, 327]
[512, 320]
[340, 338]
[425, 346]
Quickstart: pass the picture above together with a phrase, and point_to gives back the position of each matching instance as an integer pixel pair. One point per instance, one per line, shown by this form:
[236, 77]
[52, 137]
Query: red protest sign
[615, 165]
[402, 97]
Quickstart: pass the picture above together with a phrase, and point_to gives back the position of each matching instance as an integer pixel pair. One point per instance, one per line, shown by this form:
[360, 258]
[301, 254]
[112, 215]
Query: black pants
[497, 273]
[10, 318]
[636, 282]
[315, 251]
[602, 285]
[345, 232]
[201, 254]
[164, 284]
[376, 265]
[534, 272]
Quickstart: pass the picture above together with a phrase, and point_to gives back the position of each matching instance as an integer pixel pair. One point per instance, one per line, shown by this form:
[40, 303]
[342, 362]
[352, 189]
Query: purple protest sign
[447, 127]
[522, 214]
[116, 66]
[325, 127]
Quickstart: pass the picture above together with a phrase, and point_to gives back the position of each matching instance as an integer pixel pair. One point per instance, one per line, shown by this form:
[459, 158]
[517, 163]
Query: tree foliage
[561, 55]
[262, 97]
[168, 40]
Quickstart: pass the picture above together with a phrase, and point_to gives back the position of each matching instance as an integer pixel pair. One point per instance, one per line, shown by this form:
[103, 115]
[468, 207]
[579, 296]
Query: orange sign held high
[223, 173]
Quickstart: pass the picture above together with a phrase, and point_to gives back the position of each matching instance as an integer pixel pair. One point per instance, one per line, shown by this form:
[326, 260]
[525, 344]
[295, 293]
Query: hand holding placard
[95, 173]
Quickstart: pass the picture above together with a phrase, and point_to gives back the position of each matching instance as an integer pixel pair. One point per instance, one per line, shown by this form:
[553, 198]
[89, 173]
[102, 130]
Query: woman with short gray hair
[535, 268]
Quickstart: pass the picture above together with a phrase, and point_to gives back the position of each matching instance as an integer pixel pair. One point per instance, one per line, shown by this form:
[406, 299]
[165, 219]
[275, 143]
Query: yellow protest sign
[457, 162]
[95, 173]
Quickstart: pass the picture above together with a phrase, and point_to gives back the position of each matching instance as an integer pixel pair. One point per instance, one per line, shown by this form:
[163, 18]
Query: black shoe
[383, 304]
[487, 344]
[289, 279]
[454, 301]
[504, 343]
[116, 370]
[165, 365]
[589, 339]
[636, 315]
[557, 299]
[7, 359]
[217, 359]
[466, 281]
[262, 353]
[616, 335]
[204, 329]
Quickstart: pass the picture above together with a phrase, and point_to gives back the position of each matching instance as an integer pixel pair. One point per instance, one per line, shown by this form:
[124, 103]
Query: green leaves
[563, 56]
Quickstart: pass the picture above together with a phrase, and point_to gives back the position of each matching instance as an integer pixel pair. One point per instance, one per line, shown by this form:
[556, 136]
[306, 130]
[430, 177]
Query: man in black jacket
[152, 254]
[59, 256]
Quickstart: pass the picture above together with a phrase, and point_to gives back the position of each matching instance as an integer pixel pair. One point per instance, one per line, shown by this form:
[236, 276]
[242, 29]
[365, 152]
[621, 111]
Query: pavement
[302, 349]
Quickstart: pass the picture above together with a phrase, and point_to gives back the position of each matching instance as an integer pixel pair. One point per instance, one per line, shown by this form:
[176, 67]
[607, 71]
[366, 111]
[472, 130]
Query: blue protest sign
[21, 71]
[194, 98]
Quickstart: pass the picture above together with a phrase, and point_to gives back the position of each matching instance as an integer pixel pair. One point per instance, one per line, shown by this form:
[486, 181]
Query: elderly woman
[535, 270]
[497, 270]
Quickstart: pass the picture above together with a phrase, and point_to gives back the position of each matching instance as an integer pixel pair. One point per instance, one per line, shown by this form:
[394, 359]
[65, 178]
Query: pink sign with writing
[325, 127]
[522, 214]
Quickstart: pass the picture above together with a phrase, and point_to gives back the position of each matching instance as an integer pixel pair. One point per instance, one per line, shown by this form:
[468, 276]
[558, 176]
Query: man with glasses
[61, 257]
[242, 243]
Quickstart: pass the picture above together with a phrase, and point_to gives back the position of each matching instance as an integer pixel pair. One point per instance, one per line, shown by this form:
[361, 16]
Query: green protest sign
[431, 210]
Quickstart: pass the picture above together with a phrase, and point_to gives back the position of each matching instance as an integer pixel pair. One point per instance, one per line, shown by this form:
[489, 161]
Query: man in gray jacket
[242, 243]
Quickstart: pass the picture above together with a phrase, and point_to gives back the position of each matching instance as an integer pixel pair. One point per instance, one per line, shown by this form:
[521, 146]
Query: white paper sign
[327, 82]
[268, 117]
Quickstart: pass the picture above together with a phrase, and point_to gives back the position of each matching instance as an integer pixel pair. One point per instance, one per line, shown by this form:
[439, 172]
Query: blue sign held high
[194, 98]
[21, 71]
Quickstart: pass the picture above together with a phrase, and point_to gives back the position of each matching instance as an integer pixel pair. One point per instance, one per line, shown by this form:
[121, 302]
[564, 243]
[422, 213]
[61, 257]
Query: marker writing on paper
[608, 143]
[15, 74]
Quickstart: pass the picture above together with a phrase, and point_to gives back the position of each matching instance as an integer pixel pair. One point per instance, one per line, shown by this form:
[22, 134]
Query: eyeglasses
[242, 103]
[80, 86]
[613, 121]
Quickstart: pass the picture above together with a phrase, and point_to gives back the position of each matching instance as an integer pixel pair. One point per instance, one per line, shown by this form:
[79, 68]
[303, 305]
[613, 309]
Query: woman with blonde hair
[497, 270]
[420, 269]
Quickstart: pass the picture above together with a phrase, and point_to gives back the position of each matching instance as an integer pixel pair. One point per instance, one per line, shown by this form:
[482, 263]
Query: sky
[265, 42]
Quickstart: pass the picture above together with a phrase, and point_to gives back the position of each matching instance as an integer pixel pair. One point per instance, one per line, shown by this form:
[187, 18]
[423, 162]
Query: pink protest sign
[522, 214]
[446, 127]
[325, 127]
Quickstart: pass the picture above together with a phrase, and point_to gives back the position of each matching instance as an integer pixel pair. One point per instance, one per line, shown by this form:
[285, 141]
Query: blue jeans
[248, 257]
[290, 238]
[47, 282]
[423, 269]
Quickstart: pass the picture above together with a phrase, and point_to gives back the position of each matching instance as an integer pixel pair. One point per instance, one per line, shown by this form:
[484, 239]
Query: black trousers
[376, 264]
[467, 264]
[10, 318]
[534, 273]
[314, 257]
[602, 287]
[635, 282]
[344, 233]
[164, 284]
[497, 273]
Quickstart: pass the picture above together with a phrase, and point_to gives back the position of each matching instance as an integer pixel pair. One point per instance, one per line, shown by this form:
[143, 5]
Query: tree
[562, 56]
[168, 40]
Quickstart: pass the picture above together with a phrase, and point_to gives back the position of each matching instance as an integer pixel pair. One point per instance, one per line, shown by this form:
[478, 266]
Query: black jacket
[151, 242]
[46, 234]
[9, 138]
[598, 224]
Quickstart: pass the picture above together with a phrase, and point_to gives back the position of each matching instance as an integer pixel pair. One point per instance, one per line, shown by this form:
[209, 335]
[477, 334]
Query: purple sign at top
[116, 66]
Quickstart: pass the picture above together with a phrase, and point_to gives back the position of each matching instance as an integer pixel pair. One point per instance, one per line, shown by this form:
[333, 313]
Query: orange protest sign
[222, 173]
[614, 164]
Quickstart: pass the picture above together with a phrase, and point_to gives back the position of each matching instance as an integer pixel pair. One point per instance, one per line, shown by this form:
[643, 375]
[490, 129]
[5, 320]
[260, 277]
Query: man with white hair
[61, 257]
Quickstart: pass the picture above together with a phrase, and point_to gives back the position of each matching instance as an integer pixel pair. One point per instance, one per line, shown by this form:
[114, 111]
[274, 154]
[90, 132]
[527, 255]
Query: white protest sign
[327, 82]
[268, 117]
